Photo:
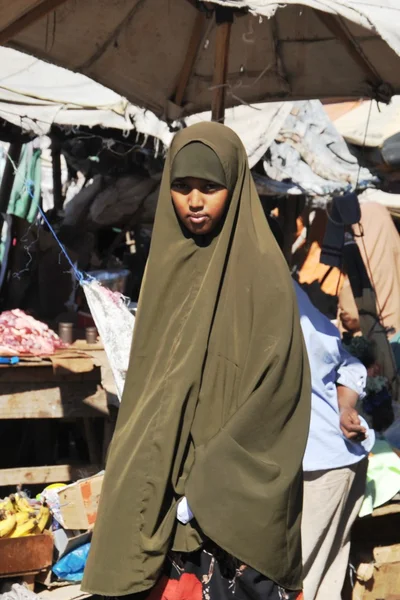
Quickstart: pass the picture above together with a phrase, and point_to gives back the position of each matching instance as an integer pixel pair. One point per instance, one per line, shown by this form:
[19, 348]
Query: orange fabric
[312, 270]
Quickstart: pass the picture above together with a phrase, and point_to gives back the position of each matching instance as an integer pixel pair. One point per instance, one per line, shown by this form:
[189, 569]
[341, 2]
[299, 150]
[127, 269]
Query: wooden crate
[21, 556]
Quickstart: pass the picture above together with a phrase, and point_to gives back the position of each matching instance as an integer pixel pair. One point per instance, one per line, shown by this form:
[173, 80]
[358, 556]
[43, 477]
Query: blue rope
[81, 277]
[78, 274]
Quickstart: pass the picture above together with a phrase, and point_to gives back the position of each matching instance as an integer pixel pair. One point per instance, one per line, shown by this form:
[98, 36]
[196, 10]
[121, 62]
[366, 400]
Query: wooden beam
[46, 375]
[343, 35]
[7, 180]
[220, 71]
[47, 474]
[29, 18]
[224, 20]
[66, 400]
[190, 58]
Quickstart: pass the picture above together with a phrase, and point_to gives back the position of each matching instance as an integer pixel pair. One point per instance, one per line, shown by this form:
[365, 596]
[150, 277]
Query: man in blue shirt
[335, 461]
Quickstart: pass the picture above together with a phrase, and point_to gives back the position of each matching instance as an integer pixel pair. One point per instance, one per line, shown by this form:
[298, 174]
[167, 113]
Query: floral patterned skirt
[211, 574]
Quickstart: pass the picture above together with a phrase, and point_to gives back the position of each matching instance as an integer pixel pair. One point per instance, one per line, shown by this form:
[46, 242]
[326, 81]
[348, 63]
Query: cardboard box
[79, 502]
[64, 543]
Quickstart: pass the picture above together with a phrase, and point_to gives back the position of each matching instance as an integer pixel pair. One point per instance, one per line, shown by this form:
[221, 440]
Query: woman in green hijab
[203, 484]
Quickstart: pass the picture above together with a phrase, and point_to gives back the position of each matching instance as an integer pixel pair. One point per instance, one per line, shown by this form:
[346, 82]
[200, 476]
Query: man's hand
[351, 426]
[350, 423]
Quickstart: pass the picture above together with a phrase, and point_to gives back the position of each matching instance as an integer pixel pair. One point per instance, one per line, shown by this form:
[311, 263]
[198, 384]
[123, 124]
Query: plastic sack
[115, 324]
[71, 566]
[383, 477]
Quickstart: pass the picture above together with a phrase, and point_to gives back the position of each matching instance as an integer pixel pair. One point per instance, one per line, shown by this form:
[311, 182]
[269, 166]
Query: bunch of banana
[18, 518]
[8, 523]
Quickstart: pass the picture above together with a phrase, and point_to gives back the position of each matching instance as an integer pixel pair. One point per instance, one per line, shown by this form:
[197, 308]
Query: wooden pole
[56, 168]
[7, 181]
[190, 59]
[287, 214]
[224, 18]
[29, 18]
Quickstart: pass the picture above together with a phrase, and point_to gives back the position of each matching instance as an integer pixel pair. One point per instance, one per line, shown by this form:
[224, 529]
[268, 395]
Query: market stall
[42, 379]
[56, 423]
[62, 387]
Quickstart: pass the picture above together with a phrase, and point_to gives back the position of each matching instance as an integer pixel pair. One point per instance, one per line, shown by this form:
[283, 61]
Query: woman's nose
[196, 200]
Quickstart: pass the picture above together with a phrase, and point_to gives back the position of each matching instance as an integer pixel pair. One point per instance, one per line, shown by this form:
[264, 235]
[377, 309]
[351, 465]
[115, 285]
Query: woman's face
[199, 204]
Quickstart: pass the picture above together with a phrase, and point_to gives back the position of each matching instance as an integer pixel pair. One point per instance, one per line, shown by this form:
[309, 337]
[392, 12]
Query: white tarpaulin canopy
[35, 94]
[257, 126]
[161, 55]
[371, 122]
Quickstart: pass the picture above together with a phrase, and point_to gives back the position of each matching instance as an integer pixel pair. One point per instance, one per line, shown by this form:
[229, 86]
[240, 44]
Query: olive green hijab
[217, 397]
[198, 160]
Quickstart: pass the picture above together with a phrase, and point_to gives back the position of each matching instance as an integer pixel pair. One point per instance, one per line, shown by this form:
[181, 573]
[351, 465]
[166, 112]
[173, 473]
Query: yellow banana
[6, 504]
[43, 517]
[13, 501]
[22, 503]
[7, 525]
[23, 517]
[24, 529]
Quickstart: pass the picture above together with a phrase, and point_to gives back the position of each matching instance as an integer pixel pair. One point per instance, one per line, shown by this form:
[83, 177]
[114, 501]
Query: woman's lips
[197, 219]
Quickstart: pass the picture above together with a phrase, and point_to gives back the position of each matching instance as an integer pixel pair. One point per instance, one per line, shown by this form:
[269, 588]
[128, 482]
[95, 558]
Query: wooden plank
[385, 584]
[29, 18]
[190, 58]
[46, 475]
[387, 509]
[46, 375]
[63, 592]
[83, 345]
[220, 71]
[387, 554]
[72, 400]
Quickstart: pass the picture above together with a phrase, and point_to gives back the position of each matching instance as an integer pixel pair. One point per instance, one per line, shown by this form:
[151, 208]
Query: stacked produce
[65, 514]
[19, 518]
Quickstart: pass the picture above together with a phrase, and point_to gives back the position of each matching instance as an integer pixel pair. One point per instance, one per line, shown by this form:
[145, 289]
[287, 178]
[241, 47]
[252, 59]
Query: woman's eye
[179, 187]
[211, 187]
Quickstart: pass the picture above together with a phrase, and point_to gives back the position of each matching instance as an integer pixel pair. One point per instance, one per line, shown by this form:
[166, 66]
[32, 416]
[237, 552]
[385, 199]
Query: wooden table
[45, 389]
